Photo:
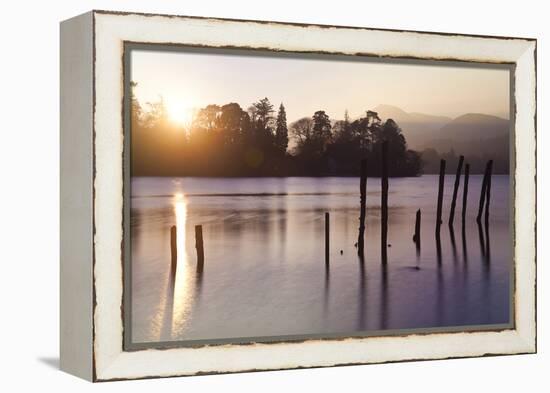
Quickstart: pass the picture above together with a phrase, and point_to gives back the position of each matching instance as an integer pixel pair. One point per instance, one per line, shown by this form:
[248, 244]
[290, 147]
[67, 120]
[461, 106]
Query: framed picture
[245, 195]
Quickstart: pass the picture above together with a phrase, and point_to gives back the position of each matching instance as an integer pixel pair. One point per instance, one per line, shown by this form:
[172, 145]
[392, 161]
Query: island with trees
[228, 141]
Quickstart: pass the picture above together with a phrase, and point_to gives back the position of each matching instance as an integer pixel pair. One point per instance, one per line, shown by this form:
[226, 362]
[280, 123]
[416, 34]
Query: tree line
[498, 149]
[226, 140]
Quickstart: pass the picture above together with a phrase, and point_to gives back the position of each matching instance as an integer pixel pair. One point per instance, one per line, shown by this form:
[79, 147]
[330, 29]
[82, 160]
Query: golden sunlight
[180, 112]
[183, 285]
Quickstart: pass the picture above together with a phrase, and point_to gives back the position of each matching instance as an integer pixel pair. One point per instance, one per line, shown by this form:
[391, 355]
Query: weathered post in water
[363, 209]
[199, 245]
[483, 190]
[455, 190]
[173, 248]
[416, 236]
[327, 238]
[465, 193]
[440, 196]
[384, 204]
[488, 192]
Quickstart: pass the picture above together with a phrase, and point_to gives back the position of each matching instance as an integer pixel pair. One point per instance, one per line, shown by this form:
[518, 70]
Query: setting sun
[180, 112]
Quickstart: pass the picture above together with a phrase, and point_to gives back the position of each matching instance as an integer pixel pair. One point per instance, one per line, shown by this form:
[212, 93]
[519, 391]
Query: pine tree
[281, 131]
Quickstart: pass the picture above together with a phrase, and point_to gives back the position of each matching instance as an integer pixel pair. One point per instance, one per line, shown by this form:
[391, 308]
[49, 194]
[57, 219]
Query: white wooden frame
[92, 194]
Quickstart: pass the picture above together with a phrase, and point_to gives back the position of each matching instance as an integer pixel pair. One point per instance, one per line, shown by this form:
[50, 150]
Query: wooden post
[363, 209]
[416, 237]
[488, 191]
[483, 191]
[327, 238]
[465, 193]
[440, 195]
[384, 203]
[199, 245]
[173, 248]
[455, 190]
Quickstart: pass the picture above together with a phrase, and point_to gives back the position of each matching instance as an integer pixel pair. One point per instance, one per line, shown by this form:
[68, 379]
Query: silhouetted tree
[302, 129]
[281, 130]
[207, 118]
[342, 129]
[263, 112]
[322, 127]
[233, 123]
[313, 135]
[262, 122]
[374, 124]
[136, 109]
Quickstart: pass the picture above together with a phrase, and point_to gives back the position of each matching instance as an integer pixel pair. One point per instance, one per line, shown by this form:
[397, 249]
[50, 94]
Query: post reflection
[481, 241]
[326, 297]
[487, 244]
[199, 273]
[453, 243]
[362, 312]
[417, 247]
[438, 249]
[384, 311]
[440, 298]
[464, 245]
[184, 283]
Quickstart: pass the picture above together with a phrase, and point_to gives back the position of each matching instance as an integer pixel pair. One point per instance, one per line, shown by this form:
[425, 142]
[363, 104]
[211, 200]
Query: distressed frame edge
[526, 123]
[76, 196]
[527, 340]
[304, 24]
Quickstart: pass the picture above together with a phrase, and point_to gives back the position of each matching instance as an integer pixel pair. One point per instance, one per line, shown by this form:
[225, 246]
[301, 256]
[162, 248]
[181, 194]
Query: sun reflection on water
[183, 280]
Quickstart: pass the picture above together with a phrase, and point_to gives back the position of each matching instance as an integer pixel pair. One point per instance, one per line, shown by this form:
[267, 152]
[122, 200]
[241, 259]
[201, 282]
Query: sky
[189, 80]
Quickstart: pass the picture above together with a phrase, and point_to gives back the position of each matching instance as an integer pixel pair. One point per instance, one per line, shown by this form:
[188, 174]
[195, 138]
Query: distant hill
[477, 136]
[461, 132]
[418, 128]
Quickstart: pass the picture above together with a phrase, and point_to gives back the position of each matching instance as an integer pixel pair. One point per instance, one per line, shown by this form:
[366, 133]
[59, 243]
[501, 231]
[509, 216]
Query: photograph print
[274, 196]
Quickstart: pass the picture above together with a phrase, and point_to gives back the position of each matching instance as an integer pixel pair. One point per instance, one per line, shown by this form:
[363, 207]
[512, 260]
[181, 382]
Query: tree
[374, 124]
[207, 117]
[322, 127]
[302, 129]
[252, 112]
[263, 111]
[281, 130]
[342, 130]
[391, 132]
[361, 133]
[397, 146]
[136, 109]
[155, 114]
[232, 122]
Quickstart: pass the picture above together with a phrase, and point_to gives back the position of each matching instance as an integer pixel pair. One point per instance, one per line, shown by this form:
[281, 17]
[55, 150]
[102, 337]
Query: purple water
[264, 271]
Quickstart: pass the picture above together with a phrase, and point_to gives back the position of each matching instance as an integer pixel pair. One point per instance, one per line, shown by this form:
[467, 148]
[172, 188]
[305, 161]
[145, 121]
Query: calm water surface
[264, 271]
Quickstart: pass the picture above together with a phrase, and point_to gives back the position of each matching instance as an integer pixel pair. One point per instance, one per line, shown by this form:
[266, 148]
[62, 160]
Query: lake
[264, 270]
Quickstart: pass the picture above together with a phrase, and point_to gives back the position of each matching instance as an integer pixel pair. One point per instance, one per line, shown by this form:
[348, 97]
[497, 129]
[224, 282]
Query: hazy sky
[193, 80]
